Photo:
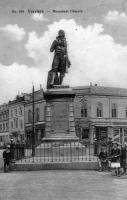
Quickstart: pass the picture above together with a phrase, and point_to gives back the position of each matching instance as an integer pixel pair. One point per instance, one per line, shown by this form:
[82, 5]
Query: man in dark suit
[123, 158]
[7, 158]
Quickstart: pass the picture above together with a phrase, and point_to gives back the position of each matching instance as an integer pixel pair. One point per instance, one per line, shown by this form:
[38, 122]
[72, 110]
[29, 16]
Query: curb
[55, 166]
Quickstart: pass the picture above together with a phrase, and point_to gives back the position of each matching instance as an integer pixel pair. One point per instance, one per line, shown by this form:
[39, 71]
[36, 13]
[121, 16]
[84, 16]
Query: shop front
[18, 136]
[120, 134]
[38, 134]
[4, 139]
[100, 138]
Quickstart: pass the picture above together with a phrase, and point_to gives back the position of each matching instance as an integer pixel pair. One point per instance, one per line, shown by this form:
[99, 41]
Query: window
[3, 127]
[114, 110]
[7, 114]
[99, 110]
[20, 110]
[11, 113]
[16, 122]
[0, 127]
[101, 134]
[84, 110]
[21, 124]
[126, 111]
[15, 111]
[12, 124]
[6, 126]
[29, 116]
[4, 116]
[37, 115]
[85, 133]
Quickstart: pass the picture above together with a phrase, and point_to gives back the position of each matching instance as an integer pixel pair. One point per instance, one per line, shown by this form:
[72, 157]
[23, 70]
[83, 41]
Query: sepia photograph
[63, 100]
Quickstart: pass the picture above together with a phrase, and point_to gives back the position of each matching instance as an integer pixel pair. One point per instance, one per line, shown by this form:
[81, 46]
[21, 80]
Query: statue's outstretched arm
[53, 46]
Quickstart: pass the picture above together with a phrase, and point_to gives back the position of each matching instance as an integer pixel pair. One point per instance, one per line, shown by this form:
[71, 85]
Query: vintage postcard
[63, 99]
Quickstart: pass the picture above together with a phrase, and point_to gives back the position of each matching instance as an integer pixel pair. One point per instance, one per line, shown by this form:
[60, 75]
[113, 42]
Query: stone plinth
[60, 122]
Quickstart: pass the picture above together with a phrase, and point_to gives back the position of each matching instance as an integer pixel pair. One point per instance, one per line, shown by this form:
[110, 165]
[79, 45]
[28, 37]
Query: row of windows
[17, 123]
[5, 138]
[4, 116]
[37, 115]
[99, 110]
[17, 111]
[4, 127]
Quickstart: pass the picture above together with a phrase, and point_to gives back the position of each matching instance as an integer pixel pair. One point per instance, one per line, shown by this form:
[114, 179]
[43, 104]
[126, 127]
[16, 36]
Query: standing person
[115, 158]
[7, 158]
[123, 158]
[103, 158]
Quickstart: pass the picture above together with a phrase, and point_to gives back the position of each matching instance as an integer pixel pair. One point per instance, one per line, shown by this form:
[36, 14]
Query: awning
[102, 125]
[84, 126]
[37, 123]
[109, 125]
[15, 133]
[40, 125]
[4, 134]
[28, 128]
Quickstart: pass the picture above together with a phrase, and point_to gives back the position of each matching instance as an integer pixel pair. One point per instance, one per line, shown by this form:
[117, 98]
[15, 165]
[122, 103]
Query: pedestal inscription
[60, 117]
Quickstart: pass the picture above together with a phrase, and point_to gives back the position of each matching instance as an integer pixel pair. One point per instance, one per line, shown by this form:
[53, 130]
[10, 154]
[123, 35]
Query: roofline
[97, 90]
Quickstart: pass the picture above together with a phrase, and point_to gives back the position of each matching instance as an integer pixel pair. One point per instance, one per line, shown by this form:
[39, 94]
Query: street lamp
[33, 125]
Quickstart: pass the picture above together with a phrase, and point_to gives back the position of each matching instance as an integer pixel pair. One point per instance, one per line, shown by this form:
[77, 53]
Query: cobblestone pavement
[62, 185]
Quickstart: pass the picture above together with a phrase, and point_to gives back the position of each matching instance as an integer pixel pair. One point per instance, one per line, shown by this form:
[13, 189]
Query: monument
[60, 123]
[61, 61]
[60, 141]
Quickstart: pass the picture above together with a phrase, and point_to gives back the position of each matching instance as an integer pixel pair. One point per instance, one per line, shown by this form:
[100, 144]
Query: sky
[96, 33]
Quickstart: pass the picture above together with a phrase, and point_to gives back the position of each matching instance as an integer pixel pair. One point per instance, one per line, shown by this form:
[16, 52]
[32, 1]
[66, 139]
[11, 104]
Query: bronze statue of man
[60, 62]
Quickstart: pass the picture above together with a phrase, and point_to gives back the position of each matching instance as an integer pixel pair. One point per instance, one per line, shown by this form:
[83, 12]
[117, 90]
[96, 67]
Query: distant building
[39, 117]
[101, 113]
[4, 125]
[16, 118]
[100, 116]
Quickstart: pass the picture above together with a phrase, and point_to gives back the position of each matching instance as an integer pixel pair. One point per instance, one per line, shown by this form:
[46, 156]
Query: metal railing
[55, 151]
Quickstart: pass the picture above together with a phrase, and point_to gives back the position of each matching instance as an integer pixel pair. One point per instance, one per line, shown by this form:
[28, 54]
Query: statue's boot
[61, 78]
[53, 77]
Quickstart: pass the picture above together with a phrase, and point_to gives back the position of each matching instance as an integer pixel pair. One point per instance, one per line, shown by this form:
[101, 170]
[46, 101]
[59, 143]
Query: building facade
[36, 108]
[4, 125]
[101, 114]
[16, 118]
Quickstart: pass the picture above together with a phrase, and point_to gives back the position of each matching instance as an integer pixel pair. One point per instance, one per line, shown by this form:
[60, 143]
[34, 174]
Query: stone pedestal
[59, 113]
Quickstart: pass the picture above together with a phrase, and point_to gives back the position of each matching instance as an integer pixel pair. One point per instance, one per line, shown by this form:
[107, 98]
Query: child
[103, 158]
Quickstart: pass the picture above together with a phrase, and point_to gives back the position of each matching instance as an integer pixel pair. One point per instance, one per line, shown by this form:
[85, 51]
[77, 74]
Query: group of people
[116, 158]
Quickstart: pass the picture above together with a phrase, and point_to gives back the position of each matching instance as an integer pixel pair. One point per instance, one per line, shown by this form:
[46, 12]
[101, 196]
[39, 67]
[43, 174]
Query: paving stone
[61, 185]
